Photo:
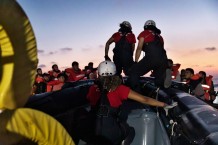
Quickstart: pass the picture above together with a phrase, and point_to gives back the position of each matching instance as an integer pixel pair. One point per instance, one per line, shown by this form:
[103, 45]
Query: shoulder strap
[103, 105]
[103, 98]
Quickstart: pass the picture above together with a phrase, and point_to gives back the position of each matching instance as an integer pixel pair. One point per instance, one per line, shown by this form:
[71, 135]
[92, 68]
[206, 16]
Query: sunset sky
[70, 30]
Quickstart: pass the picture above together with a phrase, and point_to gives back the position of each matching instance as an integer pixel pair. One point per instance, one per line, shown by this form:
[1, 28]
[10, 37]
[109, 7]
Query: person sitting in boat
[54, 72]
[182, 75]
[207, 85]
[56, 85]
[75, 73]
[90, 71]
[110, 85]
[195, 83]
[175, 70]
[39, 77]
[39, 85]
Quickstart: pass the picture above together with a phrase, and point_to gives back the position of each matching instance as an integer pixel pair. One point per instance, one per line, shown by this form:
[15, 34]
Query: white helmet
[150, 22]
[127, 24]
[106, 68]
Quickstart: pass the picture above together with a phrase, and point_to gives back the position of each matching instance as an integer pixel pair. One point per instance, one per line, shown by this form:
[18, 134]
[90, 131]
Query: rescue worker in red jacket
[152, 43]
[124, 41]
[207, 85]
[75, 73]
[116, 94]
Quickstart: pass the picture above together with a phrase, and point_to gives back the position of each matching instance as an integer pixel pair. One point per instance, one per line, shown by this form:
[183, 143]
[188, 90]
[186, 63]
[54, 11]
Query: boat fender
[18, 61]
[26, 122]
[18, 55]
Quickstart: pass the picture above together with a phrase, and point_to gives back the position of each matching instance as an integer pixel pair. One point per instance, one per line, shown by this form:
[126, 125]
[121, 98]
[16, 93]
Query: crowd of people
[55, 78]
[200, 84]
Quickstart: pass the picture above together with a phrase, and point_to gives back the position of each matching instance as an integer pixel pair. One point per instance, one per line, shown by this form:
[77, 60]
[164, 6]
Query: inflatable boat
[192, 122]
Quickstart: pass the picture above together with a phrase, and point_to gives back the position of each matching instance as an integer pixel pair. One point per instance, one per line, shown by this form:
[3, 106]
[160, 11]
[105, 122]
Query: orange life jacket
[175, 70]
[39, 79]
[49, 88]
[58, 86]
[207, 87]
[54, 85]
[53, 73]
[74, 76]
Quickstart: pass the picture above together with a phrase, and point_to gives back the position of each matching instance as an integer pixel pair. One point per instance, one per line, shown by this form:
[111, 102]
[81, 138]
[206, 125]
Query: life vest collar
[176, 66]
[195, 77]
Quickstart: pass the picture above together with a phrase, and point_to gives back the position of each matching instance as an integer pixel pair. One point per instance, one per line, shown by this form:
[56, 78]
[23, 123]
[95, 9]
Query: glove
[107, 57]
[166, 108]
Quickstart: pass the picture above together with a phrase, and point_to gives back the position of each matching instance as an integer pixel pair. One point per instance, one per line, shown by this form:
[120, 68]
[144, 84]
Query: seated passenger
[39, 76]
[39, 85]
[54, 72]
[175, 70]
[182, 75]
[175, 73]
[47, 78]
[75, 73]
[57, 84]
[195, 83]
[90, 71]
[207, 85]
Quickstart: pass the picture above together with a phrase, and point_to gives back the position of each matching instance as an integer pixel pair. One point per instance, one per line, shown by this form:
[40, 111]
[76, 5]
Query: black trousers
[87, 132]
[146, 64]
[122, 62]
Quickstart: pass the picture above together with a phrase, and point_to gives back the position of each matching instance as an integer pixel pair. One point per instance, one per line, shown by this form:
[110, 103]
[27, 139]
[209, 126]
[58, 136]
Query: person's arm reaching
[139, 49]
[150, 101]
[111, 40]
[145, 100]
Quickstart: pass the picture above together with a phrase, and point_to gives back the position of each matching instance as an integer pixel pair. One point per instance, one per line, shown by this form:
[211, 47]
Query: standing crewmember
[124, 41]
[152, 43]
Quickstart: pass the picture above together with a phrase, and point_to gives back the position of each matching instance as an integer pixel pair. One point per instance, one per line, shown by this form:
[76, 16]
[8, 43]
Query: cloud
[101, 46]
[42, 65]
[197, 51]
[86, 49]
[40, 51]
[209, 66]
[190, 52]
[210, 48]
[195, 65]
[66, 49]
[53, 62]
[52, 52]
